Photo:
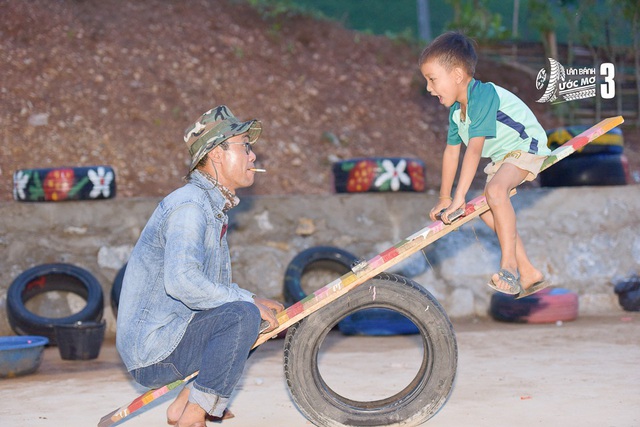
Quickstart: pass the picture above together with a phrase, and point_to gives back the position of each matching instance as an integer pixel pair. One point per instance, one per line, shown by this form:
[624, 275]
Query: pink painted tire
[547, 306]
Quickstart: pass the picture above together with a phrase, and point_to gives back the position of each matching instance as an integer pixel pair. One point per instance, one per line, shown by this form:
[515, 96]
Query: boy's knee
[495, 193]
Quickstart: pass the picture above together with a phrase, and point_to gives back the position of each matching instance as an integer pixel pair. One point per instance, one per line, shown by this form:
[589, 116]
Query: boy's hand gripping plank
[365, 270]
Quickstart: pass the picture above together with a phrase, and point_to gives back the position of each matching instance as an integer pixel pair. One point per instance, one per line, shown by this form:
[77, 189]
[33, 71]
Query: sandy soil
[116, 83]
[581, 373]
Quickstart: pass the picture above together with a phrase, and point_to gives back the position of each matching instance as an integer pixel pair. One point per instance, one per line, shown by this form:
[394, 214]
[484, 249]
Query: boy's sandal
[515, 288]
[538, 286]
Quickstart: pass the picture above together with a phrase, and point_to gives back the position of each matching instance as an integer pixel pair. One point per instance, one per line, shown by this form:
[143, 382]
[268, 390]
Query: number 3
[608, 88]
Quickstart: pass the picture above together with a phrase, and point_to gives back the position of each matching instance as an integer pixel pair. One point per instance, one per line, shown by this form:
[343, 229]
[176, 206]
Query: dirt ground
[580, 373]
[116, 82]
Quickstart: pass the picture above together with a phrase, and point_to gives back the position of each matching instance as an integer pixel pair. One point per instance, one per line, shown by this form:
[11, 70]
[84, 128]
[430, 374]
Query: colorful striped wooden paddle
[140, 401]
[365, 270]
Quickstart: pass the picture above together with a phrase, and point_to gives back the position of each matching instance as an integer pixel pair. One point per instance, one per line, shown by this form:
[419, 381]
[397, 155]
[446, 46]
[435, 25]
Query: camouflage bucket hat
[213, 128]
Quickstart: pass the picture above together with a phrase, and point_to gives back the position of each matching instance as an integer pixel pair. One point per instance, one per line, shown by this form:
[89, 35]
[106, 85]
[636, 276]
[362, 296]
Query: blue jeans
[217, 342]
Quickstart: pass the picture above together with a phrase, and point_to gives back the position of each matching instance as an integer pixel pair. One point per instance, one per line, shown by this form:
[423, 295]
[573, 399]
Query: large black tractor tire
[420, 399]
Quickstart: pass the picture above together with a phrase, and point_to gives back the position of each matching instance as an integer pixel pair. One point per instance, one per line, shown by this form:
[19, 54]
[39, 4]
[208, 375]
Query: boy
[493, 123]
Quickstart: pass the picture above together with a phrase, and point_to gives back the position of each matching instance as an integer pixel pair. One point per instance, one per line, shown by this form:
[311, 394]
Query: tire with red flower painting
[549, 305]
[64, 183]
[379, 174]
[29, 310]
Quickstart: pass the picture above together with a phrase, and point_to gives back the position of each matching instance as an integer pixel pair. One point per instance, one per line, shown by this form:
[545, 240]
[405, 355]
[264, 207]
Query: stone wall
[582, 238]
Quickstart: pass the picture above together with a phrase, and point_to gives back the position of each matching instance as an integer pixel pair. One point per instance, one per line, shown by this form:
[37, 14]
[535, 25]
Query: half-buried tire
[116, 289]
[46, 278]
[315, 258]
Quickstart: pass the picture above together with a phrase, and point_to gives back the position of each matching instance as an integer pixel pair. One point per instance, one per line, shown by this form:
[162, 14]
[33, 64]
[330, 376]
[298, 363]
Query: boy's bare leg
[502, 220]
[528, 273]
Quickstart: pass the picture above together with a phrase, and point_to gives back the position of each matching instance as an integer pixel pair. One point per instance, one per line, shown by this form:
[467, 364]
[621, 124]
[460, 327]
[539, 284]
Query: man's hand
[268, 310]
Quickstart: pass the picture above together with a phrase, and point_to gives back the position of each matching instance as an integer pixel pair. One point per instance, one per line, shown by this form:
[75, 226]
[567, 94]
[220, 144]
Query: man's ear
[216, 155]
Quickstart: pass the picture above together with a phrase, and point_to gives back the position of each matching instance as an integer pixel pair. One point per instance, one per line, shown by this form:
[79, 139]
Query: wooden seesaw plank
[365, 270]
[407, 247]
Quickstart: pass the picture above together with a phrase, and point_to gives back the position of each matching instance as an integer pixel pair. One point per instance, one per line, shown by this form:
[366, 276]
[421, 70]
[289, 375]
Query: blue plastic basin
[20, 355]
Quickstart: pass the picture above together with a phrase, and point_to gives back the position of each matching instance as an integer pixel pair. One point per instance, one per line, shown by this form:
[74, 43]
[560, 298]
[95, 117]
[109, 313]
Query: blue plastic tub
[21, 355]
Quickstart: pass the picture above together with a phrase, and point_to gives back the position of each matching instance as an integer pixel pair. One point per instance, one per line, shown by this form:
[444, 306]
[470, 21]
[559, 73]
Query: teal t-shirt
[501, 117]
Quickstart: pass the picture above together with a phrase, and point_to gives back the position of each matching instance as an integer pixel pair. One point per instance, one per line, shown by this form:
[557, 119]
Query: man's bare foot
[174, 411]
[227, 414]
[192, 416]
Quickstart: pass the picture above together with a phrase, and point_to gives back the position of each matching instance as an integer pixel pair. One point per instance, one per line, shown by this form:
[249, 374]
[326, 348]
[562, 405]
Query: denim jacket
[179, 266]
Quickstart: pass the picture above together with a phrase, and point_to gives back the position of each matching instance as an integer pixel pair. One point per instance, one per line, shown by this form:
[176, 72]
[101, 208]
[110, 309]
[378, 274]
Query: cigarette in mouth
[258, 170]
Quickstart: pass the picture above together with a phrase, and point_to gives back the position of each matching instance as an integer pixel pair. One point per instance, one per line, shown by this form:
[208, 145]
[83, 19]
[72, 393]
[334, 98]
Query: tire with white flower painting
[379, 174]
[64, 183]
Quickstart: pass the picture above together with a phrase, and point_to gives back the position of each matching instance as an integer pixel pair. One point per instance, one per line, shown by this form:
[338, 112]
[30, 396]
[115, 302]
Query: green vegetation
[490, 19]
[607, 29]
[275, 8]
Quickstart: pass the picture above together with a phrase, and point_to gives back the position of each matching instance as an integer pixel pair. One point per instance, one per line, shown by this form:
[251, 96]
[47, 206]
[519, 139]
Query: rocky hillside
[116, 82]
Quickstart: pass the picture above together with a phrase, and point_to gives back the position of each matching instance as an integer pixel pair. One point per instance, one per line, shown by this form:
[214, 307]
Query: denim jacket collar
[200, 180]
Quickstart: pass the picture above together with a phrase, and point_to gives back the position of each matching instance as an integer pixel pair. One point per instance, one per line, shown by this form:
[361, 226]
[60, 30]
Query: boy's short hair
[451, 49]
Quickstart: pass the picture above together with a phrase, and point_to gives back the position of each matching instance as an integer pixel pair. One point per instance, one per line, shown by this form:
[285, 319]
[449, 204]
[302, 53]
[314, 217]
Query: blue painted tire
[547, 306]
[611, 142]
[587, 170]
[628, 292]
[48, 278]
[377, 322]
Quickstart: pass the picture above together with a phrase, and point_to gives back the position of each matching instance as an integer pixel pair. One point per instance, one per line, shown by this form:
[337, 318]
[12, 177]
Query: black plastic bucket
[80, 340]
